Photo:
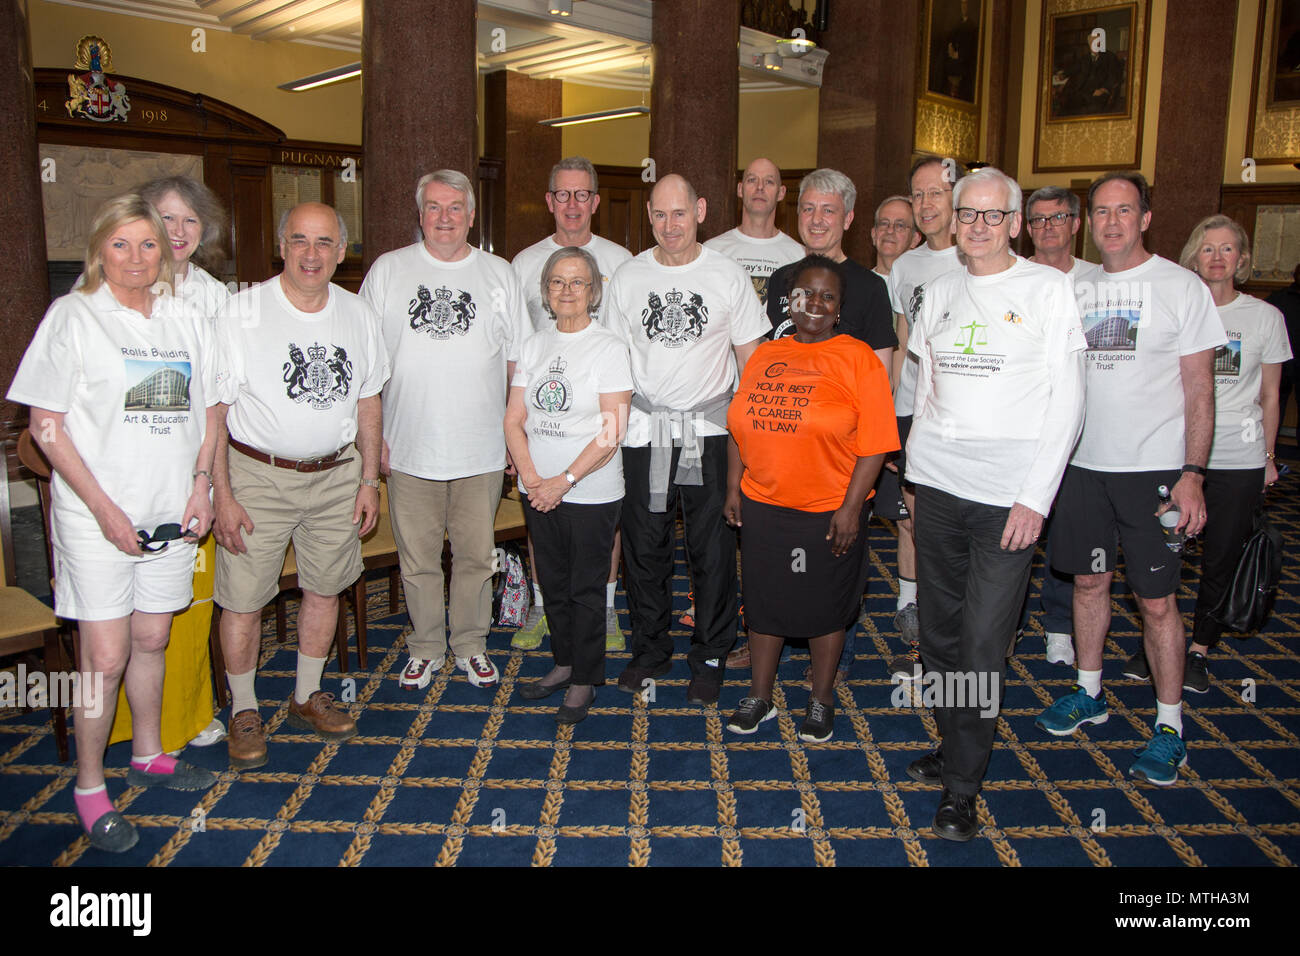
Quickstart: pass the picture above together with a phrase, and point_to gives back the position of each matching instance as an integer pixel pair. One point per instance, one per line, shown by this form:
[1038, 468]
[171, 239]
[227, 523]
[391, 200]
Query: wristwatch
[370, 482]
[1195, 470]
[568, 476]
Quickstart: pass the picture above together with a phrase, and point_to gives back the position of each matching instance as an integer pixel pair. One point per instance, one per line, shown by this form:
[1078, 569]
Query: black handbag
[1246, 605]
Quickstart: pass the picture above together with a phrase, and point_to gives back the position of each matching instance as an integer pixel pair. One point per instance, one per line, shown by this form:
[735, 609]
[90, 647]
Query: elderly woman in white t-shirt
[567, 414]
[1247, 374]
[195, 221]
[122, 390]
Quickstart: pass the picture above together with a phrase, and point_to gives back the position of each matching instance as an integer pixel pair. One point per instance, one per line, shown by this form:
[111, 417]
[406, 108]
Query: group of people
[774, 390]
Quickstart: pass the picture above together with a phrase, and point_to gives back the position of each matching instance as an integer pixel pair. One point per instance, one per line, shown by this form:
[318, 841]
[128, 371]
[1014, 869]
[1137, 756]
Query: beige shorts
[105, 590]
[314, 510]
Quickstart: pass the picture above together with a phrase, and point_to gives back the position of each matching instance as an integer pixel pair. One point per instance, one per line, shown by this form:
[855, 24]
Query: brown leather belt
[293, 464]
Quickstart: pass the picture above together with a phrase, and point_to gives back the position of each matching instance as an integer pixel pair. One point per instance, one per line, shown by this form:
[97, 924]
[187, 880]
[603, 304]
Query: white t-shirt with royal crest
[292, 379]
[1256, 337]
[450, 328]
[134, 393]
[1138, 324]
[563, 375]
[528, 267]
[680, 324]
[907, 283]
[758, 257]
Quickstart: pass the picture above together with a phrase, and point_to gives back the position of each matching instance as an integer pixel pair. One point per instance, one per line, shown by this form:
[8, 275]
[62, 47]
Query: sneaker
[907, 665]
[1060, 649]
[1159, 761]
[529, 637]
[751, 712]
[1196, 673]
[479, 669]
[185, 776]
[704, 687]
[614, 639]
[214, 732]
[1136, 667]
[739, 658]
[419, 672]
[687, 620]
[322, 716]
[908, 623]
[247, 741]
[818, 723]
[1067, 714]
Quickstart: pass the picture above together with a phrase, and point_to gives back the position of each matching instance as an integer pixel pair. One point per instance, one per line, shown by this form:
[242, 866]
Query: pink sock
[91, 804]
[158, 763]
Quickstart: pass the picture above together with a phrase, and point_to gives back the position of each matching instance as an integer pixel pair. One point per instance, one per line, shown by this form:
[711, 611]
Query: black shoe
[1196, 673]
[575, 715]
[927, 769]
[703, 689]
[1136, 666]
[633, 678]
[819, 722]
[956, 817]
[751, 712]
[536, 690]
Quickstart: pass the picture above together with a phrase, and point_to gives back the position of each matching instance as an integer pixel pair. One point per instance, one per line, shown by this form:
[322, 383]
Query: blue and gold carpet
[456, 775]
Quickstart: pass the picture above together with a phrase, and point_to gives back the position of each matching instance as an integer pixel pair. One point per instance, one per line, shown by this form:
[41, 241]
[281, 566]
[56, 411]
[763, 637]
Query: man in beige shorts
[297, 458]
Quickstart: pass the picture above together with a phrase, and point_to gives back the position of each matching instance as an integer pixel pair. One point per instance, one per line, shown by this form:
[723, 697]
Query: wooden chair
[25, 623]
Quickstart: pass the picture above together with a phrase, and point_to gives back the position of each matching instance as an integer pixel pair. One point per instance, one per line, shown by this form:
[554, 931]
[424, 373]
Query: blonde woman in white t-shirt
[195, 222]
[1247, 374]
[566, 416]
[119, 387]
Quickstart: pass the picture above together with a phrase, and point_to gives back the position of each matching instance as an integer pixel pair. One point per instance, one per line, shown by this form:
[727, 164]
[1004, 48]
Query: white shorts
[105, 590]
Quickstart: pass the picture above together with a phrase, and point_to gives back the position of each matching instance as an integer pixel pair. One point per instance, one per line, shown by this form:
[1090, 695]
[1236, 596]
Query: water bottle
[1169, 520]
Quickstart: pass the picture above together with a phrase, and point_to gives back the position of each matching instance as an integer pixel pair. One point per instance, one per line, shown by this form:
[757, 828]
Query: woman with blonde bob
[122, 389]
[1247, 372]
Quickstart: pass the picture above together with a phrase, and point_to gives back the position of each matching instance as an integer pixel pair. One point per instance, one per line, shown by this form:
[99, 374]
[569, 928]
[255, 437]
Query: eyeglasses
[1056, 219]
[556, 284]
[934, 195]
[162, 535]
[562, 195]
[302, 244]
[898, 225]
[992, 217]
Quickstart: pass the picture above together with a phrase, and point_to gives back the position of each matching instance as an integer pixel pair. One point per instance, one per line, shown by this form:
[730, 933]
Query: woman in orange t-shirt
[810, 425]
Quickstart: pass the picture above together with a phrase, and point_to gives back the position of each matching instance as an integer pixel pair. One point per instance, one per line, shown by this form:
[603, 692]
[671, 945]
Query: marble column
[420, 110]
[695, 101]
[22, 218]
[867, 106]
[513, 104]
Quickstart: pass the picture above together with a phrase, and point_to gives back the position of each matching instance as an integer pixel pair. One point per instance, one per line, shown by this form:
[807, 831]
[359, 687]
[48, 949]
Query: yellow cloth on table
[187, 687]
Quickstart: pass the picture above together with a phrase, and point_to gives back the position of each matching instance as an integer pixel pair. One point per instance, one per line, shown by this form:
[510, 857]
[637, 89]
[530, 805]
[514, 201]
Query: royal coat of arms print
[93, 94]
[316, 379]
[672, 321]
[439, 314]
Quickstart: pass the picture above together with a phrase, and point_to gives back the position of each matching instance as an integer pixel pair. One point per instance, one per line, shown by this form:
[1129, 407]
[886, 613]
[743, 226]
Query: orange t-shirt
[803, 416]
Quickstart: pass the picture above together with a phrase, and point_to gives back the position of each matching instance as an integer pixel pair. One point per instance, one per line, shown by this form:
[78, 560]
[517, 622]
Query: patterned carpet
[461, 776]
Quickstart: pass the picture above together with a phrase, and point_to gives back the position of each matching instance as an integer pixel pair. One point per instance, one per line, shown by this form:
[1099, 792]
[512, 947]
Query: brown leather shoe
[246, 741]
[739, 657]
[321, 715]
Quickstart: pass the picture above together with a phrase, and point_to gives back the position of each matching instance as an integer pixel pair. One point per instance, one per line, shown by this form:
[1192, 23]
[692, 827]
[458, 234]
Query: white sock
[537, 595]
[310, 670]
[610, 588]
[1171, 715]
[242, 695]
[1090, 681]
[906, 593]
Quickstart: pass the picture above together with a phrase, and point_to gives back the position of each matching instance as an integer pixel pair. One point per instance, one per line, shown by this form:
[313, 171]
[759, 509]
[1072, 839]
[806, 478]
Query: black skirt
[791, 583]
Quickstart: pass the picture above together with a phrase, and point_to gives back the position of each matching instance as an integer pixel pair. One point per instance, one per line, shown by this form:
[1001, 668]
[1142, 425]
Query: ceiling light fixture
[771, 61]
[336, 75]
[560, 8]
[599, 116]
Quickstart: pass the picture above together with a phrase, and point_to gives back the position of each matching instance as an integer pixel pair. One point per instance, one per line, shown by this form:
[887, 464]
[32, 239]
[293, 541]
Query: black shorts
[791, 584]
[888, 501]
[904, 429]
[1098, 510]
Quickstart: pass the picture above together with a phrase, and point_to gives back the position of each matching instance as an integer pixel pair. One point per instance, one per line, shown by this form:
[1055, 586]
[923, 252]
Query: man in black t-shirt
[826, 199]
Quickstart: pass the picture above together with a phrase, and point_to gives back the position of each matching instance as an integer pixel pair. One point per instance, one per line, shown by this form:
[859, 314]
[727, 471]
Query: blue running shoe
[1071, 712]
[1159, 761]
